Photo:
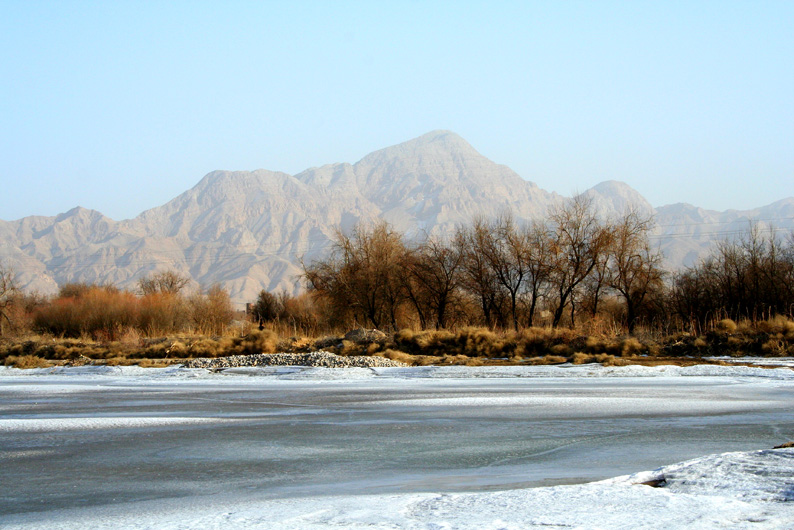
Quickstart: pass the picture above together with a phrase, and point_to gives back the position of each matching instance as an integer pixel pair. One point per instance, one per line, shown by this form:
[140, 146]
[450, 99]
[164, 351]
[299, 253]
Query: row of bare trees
[749, 278]
[498, 272]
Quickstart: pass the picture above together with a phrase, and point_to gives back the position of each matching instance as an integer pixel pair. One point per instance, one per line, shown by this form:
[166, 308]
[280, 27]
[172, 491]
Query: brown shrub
[326, 342]
[118, 361]
[264, 341]
[603, 358]
[153, 363]
[396, 355]
[295, 344]
[204, 348]
[27, 361]
[350, 348]
[156, 351]
[546, 359]
[100, 311]
[595, 344]
[177, 349]
[774, 347]
[726, 325]
[631, 346]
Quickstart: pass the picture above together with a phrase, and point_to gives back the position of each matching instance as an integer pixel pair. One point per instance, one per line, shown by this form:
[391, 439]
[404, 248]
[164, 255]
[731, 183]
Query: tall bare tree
[434, 270]
[634, 269]
[579, 240]
[363, 273]
[9, 291]
[478, 277]
[506, 253]
[538, 259]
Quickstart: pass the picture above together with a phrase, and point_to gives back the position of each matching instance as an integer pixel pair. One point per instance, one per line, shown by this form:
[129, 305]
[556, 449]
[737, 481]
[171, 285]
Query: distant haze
[249, 230]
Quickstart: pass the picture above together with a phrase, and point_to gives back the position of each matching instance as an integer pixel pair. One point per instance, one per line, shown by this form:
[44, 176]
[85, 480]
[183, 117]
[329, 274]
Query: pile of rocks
[315, 358]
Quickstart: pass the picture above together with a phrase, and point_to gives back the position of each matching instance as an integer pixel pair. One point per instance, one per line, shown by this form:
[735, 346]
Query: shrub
[395, 355]
[603, 358]
[264, 341]
[726, 325]
[156, 351]
[774, 347]
[177, 349]
[547, 359]
[162, 313]
[204, 348]
[153, 363]
[102, 312]
[27, 361]
[212, 312]
[630, 346]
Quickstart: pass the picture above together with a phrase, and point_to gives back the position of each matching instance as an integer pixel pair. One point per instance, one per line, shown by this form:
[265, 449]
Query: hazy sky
[121, 106]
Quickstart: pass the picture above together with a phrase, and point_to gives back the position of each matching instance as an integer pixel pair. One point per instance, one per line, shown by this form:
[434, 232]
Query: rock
[655, 483]
[316, 358]
[363, 336]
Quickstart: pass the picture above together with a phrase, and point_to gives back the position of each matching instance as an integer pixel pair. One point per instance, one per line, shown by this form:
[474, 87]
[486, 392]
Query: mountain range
[248, 230]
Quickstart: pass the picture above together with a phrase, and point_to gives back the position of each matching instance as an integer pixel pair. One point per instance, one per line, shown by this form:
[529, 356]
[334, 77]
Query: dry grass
[546, 360]
[726, 325]
[465, 346]
[27, 361]
[602, 358]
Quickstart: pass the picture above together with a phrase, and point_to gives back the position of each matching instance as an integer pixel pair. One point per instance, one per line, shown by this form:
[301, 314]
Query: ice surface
[63, 424]
[749, 490]
[423, 448]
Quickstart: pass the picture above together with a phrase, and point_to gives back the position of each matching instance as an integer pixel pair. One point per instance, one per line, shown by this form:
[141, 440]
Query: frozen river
[86, 441]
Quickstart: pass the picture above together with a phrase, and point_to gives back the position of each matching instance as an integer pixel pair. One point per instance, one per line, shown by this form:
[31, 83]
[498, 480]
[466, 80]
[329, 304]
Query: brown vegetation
[469, 346]
[579, 289]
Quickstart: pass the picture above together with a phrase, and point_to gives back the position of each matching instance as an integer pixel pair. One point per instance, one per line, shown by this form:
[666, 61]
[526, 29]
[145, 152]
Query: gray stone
[366, 336]
[316, 358]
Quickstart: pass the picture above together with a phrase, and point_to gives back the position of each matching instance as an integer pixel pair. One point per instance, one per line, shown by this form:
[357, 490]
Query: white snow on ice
[78, 423]
[748, 490]
[741, 490]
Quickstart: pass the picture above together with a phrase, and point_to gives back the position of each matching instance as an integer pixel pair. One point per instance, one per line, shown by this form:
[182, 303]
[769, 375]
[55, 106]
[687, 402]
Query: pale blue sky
[121, 106]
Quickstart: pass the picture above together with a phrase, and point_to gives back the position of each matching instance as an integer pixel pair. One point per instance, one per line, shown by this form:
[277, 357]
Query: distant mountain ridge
[247, 230]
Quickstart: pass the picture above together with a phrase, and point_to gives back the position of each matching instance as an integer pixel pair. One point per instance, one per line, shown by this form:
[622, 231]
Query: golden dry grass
[27, 361]
[472, 346]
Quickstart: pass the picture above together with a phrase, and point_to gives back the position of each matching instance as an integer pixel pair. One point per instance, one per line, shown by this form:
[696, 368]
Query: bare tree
[538, 260]
[269, 306]
[8, 294]
[478, 277]
[634, 269]
[363, 273]
[506, 253]
[579, 240]
[749, 277]
[167, 282]
[434, 275]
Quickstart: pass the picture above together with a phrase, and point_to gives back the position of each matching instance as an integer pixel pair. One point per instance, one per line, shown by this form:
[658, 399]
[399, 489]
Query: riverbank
[773, 339]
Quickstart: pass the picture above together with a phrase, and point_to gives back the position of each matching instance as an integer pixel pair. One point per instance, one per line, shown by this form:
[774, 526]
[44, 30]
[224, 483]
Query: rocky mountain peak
[614, 196]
